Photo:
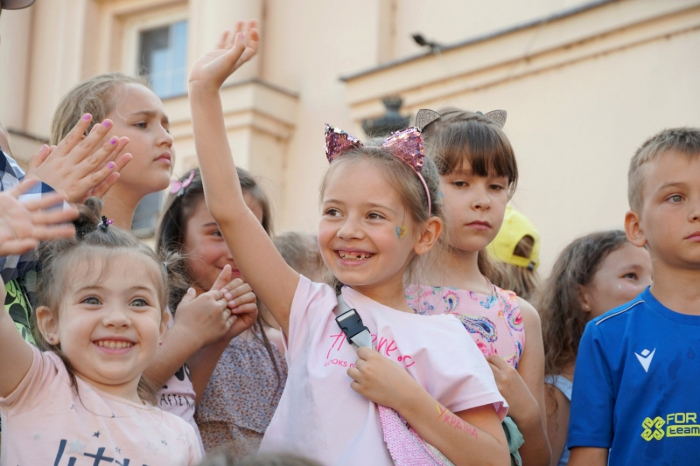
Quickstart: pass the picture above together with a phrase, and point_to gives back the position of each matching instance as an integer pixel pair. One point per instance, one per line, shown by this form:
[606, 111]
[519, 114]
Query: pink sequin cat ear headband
[406, 144]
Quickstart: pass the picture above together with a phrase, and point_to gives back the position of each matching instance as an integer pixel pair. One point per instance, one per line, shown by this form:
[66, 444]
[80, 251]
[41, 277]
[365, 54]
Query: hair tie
[177, 186]
[105, 223]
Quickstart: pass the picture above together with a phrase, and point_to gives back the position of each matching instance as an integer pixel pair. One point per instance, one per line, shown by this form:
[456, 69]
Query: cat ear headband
[497, 116]
[425, 117]
[406, 144]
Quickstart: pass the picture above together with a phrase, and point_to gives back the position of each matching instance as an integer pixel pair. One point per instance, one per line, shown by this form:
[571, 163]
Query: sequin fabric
[407, 145]
[241, 397]
[338, 142]
[493, 321]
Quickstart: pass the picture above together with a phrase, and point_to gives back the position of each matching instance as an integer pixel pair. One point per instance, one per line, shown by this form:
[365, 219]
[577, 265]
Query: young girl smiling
[102, 312]
[380, 211]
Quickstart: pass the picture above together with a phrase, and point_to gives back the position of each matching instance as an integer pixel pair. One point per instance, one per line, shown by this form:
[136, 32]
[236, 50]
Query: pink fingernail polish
[107, 124]
[113, 141]
[87, 116]
[111, 165]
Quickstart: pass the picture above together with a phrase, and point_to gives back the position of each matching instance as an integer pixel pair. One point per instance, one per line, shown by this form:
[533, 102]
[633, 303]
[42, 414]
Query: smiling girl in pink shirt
[101, 315]
[380, 211]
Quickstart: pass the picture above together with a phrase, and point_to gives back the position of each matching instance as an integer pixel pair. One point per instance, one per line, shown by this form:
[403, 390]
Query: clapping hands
[224, 311]
[80, 167]
[24, 224]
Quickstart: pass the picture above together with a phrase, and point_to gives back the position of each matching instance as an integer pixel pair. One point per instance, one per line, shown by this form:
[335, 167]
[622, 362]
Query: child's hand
[207, 316]
[381, 380]
[234, 49]
[244, 307]
[512, 387]
[24, 224]
[81, 167]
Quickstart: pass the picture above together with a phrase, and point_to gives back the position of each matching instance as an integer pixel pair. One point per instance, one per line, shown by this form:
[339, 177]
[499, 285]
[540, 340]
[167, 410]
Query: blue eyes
[94, 301]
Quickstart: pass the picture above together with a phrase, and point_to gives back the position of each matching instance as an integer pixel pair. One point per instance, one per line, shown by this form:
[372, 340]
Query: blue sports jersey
[636, 385]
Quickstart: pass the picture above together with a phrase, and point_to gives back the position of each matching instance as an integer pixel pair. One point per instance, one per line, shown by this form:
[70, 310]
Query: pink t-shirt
[46, 422]
[177, 395]
[321, 417]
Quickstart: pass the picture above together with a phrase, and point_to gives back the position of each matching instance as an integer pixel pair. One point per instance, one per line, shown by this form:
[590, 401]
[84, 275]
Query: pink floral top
[493, 321]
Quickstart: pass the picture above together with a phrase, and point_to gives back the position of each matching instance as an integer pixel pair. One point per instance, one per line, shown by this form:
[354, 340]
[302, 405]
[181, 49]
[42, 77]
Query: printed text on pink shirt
[384, 346]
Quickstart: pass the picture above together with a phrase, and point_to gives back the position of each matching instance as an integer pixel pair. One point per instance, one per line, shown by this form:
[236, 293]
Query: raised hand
[234, 49]
[24, 224]
[81, 167]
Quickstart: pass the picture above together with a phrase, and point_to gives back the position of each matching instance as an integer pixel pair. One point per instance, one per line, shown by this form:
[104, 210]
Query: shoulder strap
[351, 324]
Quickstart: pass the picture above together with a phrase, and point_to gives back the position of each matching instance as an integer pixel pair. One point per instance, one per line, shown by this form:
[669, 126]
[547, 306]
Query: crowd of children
[402, 332]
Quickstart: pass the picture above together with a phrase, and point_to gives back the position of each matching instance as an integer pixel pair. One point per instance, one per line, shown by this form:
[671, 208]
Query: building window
[163, 58]
[146, 215]
[163, 61]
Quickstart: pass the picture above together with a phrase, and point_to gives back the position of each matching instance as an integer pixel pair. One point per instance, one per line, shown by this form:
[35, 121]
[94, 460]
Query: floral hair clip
[105, 223]
[406, 144]
[177, 186]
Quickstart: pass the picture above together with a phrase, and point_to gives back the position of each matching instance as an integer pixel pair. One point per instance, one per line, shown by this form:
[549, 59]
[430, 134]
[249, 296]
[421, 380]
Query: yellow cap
[515, 227]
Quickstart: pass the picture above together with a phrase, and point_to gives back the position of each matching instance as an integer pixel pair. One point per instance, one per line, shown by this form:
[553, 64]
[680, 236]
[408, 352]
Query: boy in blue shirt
[635, 398]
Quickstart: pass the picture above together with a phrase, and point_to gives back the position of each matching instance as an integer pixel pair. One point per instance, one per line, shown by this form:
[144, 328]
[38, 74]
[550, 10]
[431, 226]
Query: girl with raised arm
[380, 211]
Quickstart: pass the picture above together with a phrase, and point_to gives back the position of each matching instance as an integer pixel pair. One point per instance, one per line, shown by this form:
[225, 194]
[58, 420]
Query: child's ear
[429, 237]
[47, 321]
[584, 298]
[633, 229]
[164, 322]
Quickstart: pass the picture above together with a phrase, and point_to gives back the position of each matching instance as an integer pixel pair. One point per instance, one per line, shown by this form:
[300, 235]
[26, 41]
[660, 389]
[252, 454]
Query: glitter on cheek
[619, 287]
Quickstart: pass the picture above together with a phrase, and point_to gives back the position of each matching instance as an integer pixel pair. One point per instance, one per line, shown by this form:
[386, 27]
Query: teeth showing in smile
[111, 344]
[354, 256]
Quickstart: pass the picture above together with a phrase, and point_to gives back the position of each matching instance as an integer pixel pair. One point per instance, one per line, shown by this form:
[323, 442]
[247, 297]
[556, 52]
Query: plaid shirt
[12, 267]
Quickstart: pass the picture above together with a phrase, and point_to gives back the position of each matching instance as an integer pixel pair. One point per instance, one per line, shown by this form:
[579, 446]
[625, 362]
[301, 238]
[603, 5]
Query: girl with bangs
[478, 175]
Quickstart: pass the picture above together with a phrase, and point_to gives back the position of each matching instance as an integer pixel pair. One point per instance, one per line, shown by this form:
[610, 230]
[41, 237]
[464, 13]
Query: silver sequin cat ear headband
[425, 117]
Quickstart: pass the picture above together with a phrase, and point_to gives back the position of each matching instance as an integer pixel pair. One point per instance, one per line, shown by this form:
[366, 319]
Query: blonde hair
[95, 242]
[403, 179]
[683, 140]
[94, 96]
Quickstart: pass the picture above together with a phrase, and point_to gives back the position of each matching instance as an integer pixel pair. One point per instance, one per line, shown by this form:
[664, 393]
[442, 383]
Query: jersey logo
[645, 358]
[653, 428]
[674, 425]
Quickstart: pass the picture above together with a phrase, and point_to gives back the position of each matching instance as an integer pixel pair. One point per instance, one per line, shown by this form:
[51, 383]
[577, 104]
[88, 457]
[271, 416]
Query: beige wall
[582, 90]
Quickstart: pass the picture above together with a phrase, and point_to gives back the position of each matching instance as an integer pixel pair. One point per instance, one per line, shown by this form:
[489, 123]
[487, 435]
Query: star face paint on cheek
[401, 231]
